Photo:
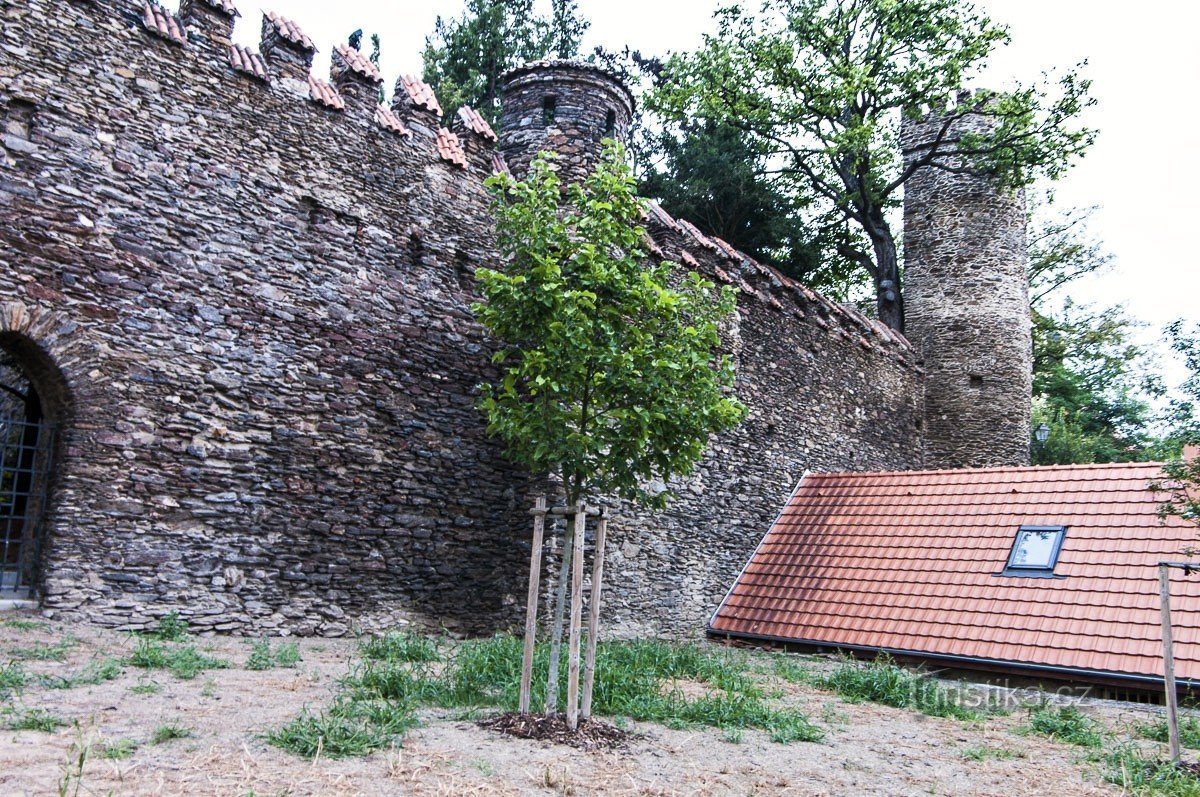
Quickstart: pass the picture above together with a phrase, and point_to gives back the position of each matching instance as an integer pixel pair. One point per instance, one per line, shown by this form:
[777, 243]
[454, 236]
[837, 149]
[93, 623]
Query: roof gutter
[971, 662]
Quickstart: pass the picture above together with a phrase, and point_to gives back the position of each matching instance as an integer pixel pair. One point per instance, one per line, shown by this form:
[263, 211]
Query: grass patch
[1141, 776]
[25, 625]
[1066, 724]
[994, 753]
[1189, 731]
[97, 671]
[118, 750]
[399, 646]
[12, 679]
[884, 681]
[351, 727]
[170, 628]
[45, 652]
[264, 657]
[149, 688]
[792, 671]
[184, 662]
[35, 719]
[169, 732]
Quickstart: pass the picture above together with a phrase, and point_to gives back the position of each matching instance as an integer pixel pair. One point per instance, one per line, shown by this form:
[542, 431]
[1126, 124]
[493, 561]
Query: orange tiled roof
[290, 30]
[388, 121]
[908, 562]
[420, 93]
[476, 123]
[246, 60]
[163, 22]
[325, 94]
[358, 62]
[450, 148]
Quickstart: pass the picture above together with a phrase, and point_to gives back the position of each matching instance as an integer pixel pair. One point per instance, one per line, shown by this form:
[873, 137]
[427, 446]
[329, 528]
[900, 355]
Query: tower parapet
[568, 107]
[967, 298]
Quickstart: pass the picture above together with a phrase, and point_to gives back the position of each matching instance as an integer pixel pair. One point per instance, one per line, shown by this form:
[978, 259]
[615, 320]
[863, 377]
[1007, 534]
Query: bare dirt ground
[868, 749]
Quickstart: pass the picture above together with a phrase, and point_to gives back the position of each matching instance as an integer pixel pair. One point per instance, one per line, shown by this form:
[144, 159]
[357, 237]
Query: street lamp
[1042, 434]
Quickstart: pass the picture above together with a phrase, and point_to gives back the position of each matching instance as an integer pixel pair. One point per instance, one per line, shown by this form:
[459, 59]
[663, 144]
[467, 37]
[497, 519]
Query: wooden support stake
[531, 602]
[1164, 588]
[589, 665]
[576, 620]
[560, 610]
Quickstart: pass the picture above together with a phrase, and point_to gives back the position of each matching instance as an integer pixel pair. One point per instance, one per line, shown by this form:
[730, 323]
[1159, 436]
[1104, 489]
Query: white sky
[1143, 172]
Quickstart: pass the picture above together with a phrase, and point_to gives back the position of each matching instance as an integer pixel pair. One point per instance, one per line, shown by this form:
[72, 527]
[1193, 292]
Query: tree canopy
[465, 57]
[611, 370]
[820, 87]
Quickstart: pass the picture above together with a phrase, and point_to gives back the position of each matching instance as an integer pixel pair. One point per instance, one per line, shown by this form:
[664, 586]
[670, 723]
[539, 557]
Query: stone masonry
[967, 302]
[244, 292]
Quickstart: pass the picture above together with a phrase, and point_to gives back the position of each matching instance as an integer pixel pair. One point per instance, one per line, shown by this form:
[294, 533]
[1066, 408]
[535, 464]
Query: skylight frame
[1036, 570]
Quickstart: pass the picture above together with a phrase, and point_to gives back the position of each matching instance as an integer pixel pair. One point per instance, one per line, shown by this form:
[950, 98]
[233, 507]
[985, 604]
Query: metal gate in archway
[25, 461]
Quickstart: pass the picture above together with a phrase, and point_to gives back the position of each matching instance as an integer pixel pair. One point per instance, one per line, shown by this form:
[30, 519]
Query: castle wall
[967, 305]
[259, 304]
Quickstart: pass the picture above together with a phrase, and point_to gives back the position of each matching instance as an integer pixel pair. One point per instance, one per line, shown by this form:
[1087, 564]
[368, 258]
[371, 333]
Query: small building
[1048, 572]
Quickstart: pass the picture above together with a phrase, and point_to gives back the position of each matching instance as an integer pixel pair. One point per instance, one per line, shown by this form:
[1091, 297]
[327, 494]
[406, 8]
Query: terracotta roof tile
[420, 93]
[388, 121]
[909, 561]
[688, 259]
[661, 216]
[450, 148]
[225, 6]
[694, 231]
[476, 123]
[248, 61]
[325, 94]
[162, 22]
[358, 62]
[289, 30]
[498, 163]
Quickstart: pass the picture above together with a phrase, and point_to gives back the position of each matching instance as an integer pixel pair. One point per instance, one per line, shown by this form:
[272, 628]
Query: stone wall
[246, 294]
[967, 301]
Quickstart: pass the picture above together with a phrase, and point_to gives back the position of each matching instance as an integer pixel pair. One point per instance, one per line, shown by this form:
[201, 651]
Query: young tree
[611, 372]
[465, 57]
[821, 85]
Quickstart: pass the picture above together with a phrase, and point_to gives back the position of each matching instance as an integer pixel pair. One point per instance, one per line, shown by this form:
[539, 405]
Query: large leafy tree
[821, 86]
[612, 375]
[710, 176]
[465, 57]
[1091, 382]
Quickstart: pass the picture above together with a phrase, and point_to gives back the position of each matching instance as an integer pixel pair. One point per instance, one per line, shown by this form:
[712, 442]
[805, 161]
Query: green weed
[12, 679]
[118, 750]
[1189, 731]
[883, 681]
[183, 662]
[348, 728]
[263, 657]
[789, 669]
[170, 628]
[398, 646]
[997, 753]
[149, 688]
[97, 671]
[1140, 776]
[46, 652]
[1066, 724]
[35, 719]
[25, 625]
[169, 732]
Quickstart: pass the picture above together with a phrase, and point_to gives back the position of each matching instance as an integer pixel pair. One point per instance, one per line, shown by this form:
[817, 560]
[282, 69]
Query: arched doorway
[27, 447]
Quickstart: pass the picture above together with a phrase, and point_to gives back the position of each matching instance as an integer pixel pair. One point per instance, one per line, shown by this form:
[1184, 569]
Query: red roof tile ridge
[162, 22]
[358, 62]
[475, 122]
[248, 61]
[450, 148]
[325, 94]
[386, 119]
[420, 93]
[289, 30]
[1032, 469]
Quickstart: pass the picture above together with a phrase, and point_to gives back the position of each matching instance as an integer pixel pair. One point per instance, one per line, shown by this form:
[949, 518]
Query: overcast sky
[1143, 172]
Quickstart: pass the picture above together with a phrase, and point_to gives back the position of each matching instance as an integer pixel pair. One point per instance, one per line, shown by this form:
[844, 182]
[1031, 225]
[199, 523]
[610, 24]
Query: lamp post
[1041, 434]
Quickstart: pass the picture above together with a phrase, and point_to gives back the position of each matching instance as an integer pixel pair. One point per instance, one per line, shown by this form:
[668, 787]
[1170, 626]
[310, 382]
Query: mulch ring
[593, 734]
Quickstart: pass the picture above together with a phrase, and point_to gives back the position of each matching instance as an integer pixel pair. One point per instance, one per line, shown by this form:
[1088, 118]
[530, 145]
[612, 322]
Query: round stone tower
[967, 302]
[568, 107]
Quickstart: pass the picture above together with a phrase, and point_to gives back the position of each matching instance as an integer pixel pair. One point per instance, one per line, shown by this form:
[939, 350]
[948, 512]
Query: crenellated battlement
[257, 282]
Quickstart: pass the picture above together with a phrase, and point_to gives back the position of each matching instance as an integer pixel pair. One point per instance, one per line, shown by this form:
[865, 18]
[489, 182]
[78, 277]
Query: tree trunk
[576, 618]
[531, 603]
[889, 299]
[560, 610]
[589, 666]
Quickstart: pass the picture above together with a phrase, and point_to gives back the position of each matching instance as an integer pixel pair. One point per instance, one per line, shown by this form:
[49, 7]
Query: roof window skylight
[1035, 551]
